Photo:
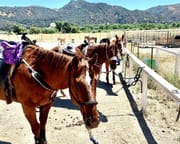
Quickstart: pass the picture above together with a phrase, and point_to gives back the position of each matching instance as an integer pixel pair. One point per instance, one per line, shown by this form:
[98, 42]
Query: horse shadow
[3, 142]
[64, 103]
[107, 87]
[138, 114]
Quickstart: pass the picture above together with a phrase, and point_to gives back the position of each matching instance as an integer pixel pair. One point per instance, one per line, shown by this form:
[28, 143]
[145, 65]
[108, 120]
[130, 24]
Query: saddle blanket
[11, 52]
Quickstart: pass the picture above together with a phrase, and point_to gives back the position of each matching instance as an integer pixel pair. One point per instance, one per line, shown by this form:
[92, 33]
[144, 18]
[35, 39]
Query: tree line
[65, 27]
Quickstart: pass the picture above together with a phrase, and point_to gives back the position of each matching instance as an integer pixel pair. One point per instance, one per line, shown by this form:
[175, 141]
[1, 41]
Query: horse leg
[30, 114]
[113, 73]
[107, 73]
[44, 111]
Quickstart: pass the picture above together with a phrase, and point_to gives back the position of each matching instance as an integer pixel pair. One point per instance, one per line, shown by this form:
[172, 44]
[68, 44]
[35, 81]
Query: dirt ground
[121, 119]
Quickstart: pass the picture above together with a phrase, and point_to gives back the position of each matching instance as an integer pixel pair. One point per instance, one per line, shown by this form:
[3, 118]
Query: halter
[122, 46]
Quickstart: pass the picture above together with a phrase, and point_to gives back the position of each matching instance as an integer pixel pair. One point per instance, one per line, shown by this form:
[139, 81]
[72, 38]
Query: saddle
[69, 49]
[11, 53]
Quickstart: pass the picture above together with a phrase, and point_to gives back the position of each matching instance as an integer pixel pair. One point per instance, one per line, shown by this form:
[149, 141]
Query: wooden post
[157, 58]
[144, 91]
[130, 67]
[177, 66]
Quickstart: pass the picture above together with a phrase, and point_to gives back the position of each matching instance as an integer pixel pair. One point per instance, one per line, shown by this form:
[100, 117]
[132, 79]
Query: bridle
[78, 103]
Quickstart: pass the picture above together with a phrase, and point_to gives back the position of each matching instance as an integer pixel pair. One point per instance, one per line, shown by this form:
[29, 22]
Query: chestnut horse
[58, 71]
[90, 40]
[105, 52]
[118, 42]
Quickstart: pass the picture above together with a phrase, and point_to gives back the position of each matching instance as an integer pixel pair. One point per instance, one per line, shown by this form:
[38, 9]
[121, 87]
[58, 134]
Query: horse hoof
[40, 141]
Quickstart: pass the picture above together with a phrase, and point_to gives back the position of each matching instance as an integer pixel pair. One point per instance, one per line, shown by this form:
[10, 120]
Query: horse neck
[54, 68]
[101, 50]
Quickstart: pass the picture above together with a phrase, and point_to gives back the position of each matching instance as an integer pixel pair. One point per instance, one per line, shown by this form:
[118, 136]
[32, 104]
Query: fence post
[157, 58]
[130, 67]
[144, 91]
[177, 67]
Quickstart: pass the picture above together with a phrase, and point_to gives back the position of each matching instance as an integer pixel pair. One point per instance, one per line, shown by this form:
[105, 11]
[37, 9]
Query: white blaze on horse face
[122, 46]
[113, 58]
[88, 79]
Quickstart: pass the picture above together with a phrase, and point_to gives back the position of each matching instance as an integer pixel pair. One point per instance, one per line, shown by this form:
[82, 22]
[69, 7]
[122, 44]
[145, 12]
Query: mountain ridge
[82, 12]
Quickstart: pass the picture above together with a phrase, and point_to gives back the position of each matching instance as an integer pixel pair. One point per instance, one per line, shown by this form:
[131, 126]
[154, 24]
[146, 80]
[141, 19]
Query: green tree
[34, 30]
[66, 28]
[48, 30]
[18, 29]
[59, 25]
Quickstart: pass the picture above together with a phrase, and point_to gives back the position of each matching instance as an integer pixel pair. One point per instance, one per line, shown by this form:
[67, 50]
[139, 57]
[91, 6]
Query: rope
[136, 78]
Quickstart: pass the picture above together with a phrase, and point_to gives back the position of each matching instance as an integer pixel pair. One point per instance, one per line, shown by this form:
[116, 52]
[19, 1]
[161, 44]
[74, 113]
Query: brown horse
[118, 42]
[58, 71]
[61, 41]
[104, 51]
[90, 40]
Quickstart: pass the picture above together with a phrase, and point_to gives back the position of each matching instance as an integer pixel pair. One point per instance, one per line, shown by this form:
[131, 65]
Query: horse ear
[123, 36]
[75, 61]
[116, 36]
[93, 59]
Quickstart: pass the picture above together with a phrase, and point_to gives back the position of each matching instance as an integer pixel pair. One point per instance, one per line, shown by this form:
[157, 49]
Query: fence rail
[170, 89]
[177, 61]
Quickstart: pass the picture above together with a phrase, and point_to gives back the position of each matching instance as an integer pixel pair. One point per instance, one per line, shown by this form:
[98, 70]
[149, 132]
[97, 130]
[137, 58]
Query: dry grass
[79, 37]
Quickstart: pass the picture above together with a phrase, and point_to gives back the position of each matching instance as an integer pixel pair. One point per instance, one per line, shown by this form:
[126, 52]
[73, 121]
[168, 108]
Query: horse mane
[97, 48]
[55, 59]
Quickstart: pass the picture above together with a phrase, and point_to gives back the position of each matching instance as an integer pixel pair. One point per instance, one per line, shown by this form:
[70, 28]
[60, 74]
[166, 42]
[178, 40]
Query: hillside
[82, 12]
[169, 13]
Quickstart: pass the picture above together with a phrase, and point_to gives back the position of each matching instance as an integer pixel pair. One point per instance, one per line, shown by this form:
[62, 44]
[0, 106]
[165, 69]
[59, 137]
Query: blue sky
[129, 4]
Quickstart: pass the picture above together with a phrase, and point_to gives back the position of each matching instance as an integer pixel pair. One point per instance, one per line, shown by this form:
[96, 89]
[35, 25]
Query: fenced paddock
[171, 90]
[143, 40]
[158, 56]
[155, 37]
[164, 93]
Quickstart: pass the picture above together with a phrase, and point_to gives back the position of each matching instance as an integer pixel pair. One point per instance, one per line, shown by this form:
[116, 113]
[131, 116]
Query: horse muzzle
[92, 122]
[113, 64]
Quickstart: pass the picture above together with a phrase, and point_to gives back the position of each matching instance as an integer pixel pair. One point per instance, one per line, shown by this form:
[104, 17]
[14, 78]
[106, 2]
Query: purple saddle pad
[11, 52]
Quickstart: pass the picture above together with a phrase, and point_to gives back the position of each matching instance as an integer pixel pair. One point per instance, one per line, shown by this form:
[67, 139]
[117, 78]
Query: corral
[121, 119]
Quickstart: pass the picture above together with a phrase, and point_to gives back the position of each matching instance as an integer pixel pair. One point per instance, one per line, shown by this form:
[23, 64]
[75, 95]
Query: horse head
[90, 40]
[111, 52]
[82, 88]
[120, 43]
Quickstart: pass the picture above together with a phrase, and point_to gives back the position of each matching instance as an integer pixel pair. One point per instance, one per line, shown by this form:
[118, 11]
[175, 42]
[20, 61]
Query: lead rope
[135, 79]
